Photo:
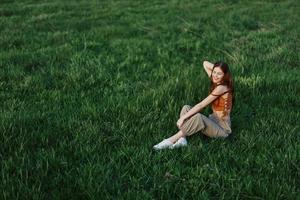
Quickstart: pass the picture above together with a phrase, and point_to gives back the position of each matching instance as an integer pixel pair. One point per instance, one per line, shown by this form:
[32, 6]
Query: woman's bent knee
[185, 109]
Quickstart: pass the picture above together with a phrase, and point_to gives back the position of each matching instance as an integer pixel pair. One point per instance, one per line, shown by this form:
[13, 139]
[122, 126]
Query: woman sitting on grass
[218, 123]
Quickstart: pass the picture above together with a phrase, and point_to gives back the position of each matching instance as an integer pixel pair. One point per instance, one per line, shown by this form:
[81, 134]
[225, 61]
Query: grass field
[88, 87]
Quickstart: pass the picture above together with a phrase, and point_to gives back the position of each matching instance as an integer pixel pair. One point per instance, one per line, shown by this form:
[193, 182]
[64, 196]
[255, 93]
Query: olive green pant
[210, 126]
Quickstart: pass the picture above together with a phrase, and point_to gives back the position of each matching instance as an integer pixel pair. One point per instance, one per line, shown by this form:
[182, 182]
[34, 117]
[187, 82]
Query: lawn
[88, 87]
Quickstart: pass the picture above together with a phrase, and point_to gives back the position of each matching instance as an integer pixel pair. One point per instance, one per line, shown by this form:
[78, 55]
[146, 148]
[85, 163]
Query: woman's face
[217, 75]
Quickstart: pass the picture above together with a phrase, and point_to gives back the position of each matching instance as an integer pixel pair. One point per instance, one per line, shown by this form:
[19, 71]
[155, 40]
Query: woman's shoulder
[220, 89]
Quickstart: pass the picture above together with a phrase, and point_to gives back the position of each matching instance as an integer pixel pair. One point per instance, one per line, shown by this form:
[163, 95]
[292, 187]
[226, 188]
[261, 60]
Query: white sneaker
[181, 142]
[163, 144]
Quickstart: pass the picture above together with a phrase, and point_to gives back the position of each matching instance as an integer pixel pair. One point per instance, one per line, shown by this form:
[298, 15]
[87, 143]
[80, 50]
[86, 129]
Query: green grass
[88, 87]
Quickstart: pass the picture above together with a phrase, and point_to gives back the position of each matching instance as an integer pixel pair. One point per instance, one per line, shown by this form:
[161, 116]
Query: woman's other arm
[208, 67]
[205, 102]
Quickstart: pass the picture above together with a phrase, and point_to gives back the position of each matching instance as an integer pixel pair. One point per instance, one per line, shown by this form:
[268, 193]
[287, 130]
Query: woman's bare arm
[208, 67]
[205, 102]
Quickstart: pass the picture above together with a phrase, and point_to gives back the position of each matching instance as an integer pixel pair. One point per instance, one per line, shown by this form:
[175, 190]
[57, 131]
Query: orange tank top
[222, 104]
